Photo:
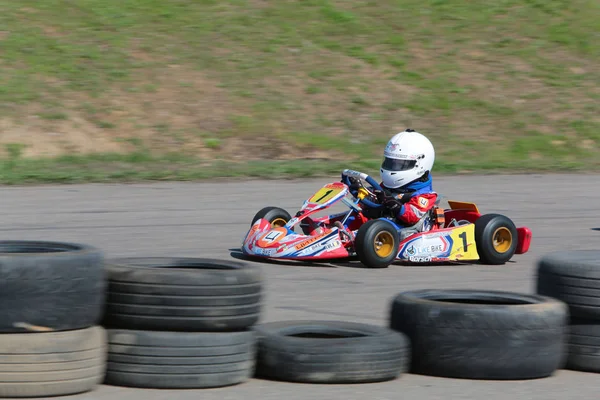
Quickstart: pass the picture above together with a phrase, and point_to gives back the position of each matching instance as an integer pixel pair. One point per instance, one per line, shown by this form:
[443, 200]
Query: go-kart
[375, 238]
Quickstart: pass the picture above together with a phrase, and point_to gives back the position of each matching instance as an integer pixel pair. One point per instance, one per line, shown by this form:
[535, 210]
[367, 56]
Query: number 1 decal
[325, 195]
[463, 236]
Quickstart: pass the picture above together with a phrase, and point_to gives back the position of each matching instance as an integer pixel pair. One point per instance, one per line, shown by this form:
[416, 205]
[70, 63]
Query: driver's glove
[393, 203]
[354, 183]
[381, 196]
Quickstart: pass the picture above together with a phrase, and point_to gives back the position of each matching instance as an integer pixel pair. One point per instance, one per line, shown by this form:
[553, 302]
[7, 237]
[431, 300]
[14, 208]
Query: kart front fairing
[264, 240]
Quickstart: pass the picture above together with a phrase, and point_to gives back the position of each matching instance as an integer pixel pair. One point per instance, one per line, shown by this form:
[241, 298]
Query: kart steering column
[361, 175]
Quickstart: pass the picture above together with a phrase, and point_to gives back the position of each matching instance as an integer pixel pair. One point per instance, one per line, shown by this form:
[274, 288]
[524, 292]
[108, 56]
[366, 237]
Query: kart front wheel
[275, 215]
[376, 244]
[496, 238]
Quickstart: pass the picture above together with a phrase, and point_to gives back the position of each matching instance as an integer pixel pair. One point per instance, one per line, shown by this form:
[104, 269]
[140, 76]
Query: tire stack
[574, 277]
[476, 334]
[51, 300]
[181, 323]
[336, 352]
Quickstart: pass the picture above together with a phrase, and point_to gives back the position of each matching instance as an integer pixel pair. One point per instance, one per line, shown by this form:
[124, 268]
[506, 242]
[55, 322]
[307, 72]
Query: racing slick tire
[179, 360]
[50, 286]
[377, 243]
[573, 277]
[275, 215]
[584, 346]
[330, 352]
[182, 294]
[476, 334]
[47, 364]
[496, 238]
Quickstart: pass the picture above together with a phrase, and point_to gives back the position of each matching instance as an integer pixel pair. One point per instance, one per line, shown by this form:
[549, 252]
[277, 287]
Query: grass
[97, 90]
[142, 166]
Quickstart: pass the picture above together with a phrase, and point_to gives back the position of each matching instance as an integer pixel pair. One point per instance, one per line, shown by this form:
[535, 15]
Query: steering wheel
[347, 173]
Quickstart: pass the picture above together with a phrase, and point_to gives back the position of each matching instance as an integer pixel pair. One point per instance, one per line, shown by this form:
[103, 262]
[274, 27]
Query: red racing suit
[416, 199]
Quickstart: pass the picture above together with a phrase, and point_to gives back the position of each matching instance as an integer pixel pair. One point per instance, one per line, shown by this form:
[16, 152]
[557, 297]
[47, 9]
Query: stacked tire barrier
[574, 277]
[51, 300]
[181, 323]
[330, 352]
[477, 334]
[192, 323]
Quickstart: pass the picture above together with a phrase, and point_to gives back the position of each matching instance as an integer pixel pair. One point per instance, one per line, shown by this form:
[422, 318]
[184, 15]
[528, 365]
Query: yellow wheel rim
[502, 240]
[384, 244]
[278, 222]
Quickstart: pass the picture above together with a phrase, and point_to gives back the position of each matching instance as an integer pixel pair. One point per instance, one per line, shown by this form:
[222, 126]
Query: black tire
[272, 214]
[573, 277]
[179, 360]
[365, 247]
[183, 294]
[486, 228]
[50, 286]
[330, 352]
[52, 363]
[584, 346]
[482, 334]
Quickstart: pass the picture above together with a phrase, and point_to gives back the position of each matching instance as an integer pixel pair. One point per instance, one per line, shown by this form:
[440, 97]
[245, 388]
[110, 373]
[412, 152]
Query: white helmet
[407, 156]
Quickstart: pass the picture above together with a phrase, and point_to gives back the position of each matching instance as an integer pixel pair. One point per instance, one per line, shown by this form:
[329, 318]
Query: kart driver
[406, 179]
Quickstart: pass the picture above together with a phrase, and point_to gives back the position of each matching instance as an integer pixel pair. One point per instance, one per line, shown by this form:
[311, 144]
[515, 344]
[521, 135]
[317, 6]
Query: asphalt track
[210, 219]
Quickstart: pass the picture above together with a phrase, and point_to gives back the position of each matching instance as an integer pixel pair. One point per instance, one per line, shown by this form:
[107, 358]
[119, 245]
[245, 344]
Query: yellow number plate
[325, 194]
[464, 247]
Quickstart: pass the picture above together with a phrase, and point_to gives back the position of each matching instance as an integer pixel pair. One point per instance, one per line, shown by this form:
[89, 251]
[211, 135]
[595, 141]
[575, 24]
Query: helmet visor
[393, 164]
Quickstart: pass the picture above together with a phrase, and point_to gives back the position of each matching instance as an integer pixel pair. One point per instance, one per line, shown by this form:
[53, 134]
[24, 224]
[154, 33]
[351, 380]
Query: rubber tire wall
[50, 286]
[378, 354]
[573, 277]
[481, 341]
[52, 363]
[179, 360]
[182, 294]
[584, 346]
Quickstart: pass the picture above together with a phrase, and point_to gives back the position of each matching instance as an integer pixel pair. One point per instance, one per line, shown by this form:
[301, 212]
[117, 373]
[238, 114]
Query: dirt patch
[170, 109]
[42, 138]
[170, 101]
[174, 109]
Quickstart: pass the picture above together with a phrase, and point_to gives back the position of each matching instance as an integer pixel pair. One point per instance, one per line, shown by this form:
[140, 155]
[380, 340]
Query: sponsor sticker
[332, 245]
[419, 258]
[263, 252]
[434, 248]
[310, 241]
[391, 147]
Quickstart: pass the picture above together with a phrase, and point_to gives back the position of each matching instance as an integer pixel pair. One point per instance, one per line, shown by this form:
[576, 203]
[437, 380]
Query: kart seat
[422, 225]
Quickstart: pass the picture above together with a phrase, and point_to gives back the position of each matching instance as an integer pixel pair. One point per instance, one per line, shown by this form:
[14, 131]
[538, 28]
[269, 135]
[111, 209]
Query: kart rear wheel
[377, 244]
[496, 238]
[275, 215]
